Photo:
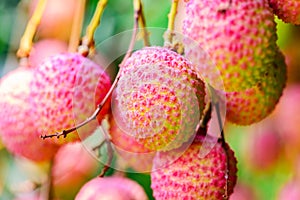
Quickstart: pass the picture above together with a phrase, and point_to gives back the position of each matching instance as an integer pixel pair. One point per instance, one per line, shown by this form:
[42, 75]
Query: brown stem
[139, 15]
[27, 38]
[77, 26]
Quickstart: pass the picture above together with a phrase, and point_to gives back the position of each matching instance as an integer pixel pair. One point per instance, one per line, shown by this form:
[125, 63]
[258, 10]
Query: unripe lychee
[111, 188]
[254, 104]
[159, 98]
[239, 36]
[44, 49]
[64, 91]
[195, 177]
[18, 127]
[287, 10]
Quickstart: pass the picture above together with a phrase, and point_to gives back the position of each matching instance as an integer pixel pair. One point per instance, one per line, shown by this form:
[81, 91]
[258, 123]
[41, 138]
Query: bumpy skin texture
[287, 10]
[240, 39]
[194, 177]
[111, 188]
[256, 103]
[18, 128]
[64, 92]
[159, 99]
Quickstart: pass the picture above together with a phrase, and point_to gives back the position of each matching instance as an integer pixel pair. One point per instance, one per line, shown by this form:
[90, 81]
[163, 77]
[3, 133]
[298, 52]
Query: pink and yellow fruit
[195, 177]
[18, 127]
[159, 99]
[111, 188]
[64, 92]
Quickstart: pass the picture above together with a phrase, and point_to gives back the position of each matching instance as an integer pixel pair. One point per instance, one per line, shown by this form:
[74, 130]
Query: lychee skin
[111, 188]
[240, 38]
[287, 10]
[194, 177]
[18, 128]
[64, 92]
[256, 103]
[159, 98]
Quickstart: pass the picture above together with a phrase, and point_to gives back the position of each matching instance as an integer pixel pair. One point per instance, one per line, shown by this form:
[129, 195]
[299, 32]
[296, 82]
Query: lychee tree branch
[27, 38]
[109, 152]
[87, 41]
[139, 15]
[77, 26]
[65, 132]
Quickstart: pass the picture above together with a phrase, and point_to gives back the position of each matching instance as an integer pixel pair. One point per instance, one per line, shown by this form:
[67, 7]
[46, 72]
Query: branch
[109, 152]
[27, 38]
[88, 39]
[139, 15]
[77, 26]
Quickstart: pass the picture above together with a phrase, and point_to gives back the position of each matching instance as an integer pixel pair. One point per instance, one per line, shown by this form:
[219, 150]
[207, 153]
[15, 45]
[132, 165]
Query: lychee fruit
[240, 39]
[111, 188]
[18, 127]
[130, 152]
[194, 177]
[45, 48]
[287, 10]
[256, 103]
[159, 98]
[69, 174]
[65, 91]
[290, 191]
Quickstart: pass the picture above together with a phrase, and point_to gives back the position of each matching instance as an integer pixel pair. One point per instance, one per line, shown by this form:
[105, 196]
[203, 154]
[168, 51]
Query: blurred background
[268, 153]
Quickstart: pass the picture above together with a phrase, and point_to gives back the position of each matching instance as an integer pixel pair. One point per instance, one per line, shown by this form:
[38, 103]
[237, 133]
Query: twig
[171, 21]
[27, 38]
[65, 132]
[139, 15]
[88, 39]
[77, 26]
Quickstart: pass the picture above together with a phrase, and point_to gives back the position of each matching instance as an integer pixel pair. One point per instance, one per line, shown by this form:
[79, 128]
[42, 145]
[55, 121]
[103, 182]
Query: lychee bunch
[194, 177]
[240, 39]
[287, 10]
[159, 98]
[18, 127]
[65, 91]
[111, 188]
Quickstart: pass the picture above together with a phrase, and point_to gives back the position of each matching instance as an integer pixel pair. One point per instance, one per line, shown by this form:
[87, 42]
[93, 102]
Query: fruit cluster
[156, 106]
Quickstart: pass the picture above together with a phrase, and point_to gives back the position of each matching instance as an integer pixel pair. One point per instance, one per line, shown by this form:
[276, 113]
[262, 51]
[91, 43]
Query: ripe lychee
[65, 91]
[287, 10]
[195, 177]
[239, 36]
[111, 188]
[18, 127]
[240, 39]
[159, 99]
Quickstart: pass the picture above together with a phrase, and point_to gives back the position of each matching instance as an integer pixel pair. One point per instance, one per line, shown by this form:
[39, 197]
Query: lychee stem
[139, 15]
[87, 42]
[77, 26]
[27, 38]
[65, 132]
[168, 35]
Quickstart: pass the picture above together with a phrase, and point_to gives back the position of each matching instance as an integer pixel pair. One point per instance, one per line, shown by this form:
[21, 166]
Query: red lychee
[159, 99]
[64, 91]
[111, 188]
[195, 177]
[18, 127]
